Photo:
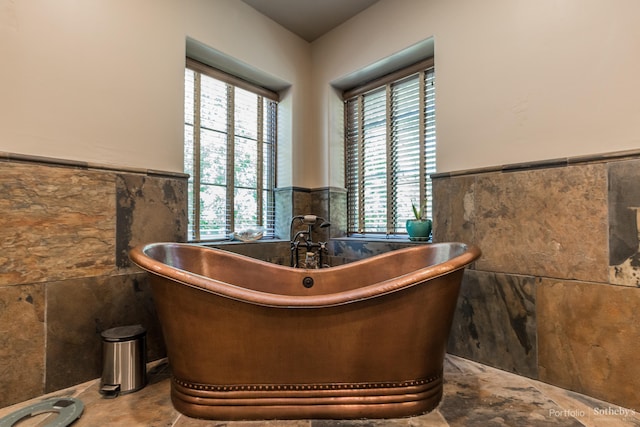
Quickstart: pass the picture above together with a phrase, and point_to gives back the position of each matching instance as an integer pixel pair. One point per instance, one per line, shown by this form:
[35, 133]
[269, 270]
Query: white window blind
[390, 150]
[229, 153]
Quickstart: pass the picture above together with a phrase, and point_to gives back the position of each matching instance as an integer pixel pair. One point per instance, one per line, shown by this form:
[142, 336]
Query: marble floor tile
[477, 395]
[474, 395]
[589, 411]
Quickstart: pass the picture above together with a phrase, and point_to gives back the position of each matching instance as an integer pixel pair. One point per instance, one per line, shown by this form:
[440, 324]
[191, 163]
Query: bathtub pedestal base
[307, 401]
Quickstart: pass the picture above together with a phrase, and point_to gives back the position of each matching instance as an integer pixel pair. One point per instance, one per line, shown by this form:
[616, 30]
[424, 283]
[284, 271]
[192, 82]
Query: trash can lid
[123, 333]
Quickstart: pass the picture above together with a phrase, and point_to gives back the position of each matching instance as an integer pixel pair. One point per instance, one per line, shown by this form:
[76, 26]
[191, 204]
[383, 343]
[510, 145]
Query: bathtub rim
[228, 290]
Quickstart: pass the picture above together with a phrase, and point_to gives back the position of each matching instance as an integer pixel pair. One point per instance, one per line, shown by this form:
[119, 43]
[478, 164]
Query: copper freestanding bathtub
[247, 339]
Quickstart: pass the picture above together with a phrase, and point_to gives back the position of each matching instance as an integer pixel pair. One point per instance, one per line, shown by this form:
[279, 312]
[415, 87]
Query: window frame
[354, 98]
[265, 204]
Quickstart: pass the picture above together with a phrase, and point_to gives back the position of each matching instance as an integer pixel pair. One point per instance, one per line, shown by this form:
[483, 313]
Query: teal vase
[419, 229]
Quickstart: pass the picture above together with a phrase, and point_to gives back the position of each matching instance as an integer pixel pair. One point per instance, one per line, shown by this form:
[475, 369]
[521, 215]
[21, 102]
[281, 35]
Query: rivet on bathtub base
[295, 401]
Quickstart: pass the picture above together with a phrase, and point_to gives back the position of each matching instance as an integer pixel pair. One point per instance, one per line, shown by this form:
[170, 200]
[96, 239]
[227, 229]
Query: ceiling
[310, 19]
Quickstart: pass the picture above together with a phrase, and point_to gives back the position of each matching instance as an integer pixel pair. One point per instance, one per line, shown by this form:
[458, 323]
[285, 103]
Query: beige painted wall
[517, 80]
[102, 81]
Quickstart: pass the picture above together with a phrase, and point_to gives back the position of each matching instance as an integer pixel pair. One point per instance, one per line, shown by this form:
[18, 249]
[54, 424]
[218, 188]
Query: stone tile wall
[343, 251]
[276, 252]
[65, 277]
[328, 203]
[555, 295]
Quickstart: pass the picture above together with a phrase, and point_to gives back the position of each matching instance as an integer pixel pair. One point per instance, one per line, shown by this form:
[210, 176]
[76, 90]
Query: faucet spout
[300, 237]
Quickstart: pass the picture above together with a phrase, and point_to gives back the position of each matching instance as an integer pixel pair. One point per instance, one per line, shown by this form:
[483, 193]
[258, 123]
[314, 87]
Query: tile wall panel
[454, 209]
[550, 222]
[58, 222]
[338, 212]
[22, 342]
[495, 322]
[276, 252]
[588, 336]
[284, 212]
[79, 310]
[149, 209]
[624, 223]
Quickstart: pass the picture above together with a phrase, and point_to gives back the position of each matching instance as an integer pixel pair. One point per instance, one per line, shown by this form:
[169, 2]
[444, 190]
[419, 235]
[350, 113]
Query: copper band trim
[305, 387]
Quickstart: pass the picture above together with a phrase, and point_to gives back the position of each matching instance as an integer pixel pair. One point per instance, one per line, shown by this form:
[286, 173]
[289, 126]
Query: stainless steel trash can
[124, 366]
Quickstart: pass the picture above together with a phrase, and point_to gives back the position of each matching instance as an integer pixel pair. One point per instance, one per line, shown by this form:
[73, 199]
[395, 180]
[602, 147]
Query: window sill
[395, 238]
[236, 242]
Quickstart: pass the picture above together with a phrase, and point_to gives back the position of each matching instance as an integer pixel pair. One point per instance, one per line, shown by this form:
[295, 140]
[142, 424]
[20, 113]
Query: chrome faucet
[304, 239]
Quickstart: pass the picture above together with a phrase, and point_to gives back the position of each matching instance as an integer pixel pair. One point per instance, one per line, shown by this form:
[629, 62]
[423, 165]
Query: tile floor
[474, 395]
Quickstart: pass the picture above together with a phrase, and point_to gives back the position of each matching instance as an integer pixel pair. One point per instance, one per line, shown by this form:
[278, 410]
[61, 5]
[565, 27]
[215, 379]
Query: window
[390, 145]
[229, 153]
